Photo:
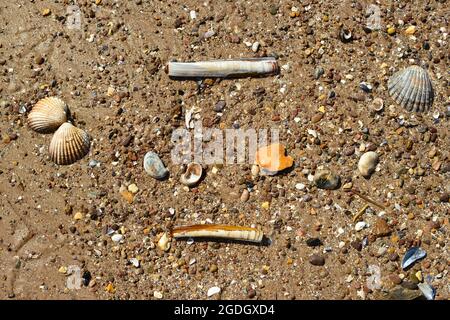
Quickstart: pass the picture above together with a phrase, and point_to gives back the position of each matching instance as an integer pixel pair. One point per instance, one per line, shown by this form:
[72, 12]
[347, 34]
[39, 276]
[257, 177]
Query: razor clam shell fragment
[412, 89]
[223, 68]
[218, 231]
[69, 144]
[47, 115]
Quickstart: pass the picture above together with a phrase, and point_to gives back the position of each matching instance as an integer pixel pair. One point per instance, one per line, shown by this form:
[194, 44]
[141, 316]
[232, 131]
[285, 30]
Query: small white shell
[164, 242]
[192, 175]
[367, 163]
[412, 89]
[47, 115]
[377, 104]
[68, 144]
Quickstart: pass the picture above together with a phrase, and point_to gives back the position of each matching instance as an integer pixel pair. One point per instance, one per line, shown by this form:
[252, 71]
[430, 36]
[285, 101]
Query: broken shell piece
[223, 68]
[273, 159]
[69, 144]
[164, 242]
[212, 291]
[154, 166]
[367, 163]
[325, 179]
[377, 104]
[428, 291]
[412, 255]
[218, 231]
[192, 175]
[47, 115]
[345, 35]
[412, 89]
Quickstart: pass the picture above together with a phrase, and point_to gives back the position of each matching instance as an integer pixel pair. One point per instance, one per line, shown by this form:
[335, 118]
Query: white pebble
[255, 46]
[117, 237]
[193, 14]
[299, 186]
[360, 225]
[134, 262]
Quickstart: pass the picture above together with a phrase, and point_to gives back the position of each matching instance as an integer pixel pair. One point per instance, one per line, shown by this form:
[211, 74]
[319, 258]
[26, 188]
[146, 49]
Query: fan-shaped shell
[412, 89]
[47, 115]
[68, 144]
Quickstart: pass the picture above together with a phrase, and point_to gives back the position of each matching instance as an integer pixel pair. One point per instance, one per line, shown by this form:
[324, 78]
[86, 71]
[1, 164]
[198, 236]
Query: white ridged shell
[47, 115]
[412, 89]
[68, 144]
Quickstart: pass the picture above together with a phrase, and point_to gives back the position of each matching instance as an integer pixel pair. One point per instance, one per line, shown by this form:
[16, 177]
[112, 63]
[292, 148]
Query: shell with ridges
[68, 144]
[47, 115]
[412, 89]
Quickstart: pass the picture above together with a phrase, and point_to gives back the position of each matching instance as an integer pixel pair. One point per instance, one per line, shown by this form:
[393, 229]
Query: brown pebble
[213, 268]
[357, 244]
[393, 256]
[251, 293]
[317, 260]
[317, 117]
[381, 228]
[395, 279]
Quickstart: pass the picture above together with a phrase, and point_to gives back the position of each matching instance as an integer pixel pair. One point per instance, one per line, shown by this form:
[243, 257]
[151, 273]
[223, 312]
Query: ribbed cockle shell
[47, 115]
[412, 89]
[69, 144]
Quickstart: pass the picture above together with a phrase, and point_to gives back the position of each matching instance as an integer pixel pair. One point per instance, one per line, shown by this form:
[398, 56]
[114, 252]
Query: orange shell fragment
[273, 158]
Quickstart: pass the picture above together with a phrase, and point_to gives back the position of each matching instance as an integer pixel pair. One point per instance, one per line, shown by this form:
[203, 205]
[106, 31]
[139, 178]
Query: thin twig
[382, 207]
[360, 213]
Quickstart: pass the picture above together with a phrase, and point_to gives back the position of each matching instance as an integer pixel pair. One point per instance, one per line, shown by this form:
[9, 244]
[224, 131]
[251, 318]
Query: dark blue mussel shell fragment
[427, 290]
[412, 255]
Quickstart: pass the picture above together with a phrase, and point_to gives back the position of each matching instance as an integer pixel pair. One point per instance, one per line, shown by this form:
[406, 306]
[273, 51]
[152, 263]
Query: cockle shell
[412, 89]
[192, 175]
[367, 163]
[47, 115]
[272, 159]
[154, 166]
[69, 144]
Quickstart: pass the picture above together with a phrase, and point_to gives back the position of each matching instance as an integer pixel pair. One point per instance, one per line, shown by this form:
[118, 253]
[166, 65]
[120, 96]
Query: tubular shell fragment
[218, 231]
[223, 68]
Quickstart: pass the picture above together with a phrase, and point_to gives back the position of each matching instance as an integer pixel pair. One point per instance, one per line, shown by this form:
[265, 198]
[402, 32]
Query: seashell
[164, 242]
[412, 89]
[192, 175]
[345, 35]
[325, 179]
[367, 163]
[412, 255]
[154, 166]
[68, 144]
[272, 159]
[47, 115]
[377, 105]
[212, 291]
[401, 293]
[223, 68]
[218, 231]
[428, 291]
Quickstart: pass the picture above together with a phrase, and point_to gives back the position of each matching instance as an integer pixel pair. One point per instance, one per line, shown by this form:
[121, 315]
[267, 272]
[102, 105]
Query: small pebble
[317, 260]
[313, 242]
